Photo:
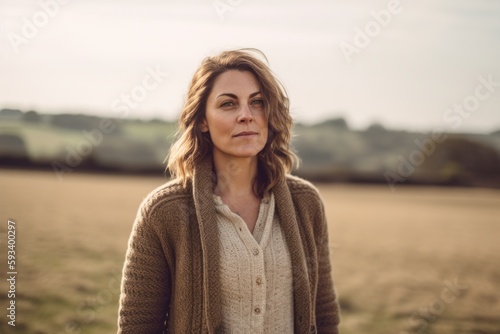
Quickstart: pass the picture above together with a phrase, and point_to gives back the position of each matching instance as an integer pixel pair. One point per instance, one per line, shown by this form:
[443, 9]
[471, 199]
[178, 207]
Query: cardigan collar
[203, 183]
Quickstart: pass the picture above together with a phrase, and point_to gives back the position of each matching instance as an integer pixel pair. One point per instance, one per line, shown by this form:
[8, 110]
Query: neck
[235, 175]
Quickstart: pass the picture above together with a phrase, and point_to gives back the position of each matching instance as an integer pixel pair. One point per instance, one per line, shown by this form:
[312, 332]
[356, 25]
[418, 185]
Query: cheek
[220, 127]
[223, 125]
[266, 136]
[264, 125]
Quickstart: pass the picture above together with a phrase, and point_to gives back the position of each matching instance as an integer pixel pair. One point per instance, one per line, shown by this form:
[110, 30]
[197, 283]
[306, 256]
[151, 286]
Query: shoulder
[305, 195]
[309, 207]
[300, 187]
[171, 193]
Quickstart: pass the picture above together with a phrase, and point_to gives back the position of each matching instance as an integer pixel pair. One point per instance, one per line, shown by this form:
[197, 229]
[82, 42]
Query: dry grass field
[417, 260]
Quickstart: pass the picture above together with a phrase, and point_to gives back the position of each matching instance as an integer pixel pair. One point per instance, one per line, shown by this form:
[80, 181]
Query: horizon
[295, 122]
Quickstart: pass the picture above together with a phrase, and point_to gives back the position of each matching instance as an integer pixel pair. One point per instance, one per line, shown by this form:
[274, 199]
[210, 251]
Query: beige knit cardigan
[171, 272]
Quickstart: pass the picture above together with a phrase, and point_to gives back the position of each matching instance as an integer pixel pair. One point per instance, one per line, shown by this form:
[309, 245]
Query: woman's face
[235, 116]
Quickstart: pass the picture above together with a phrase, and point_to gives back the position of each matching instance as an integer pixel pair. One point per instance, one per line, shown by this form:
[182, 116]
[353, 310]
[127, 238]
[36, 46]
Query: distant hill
[330, 151]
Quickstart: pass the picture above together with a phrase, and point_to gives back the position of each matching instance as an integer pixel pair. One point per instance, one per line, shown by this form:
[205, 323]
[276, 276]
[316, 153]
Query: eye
[227, 104]
[258, 102]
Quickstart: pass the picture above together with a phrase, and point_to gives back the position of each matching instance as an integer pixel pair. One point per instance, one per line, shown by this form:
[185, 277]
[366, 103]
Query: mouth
[245, 134]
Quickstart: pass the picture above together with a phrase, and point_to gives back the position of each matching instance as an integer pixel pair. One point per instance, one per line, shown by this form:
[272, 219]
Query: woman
[233, 244]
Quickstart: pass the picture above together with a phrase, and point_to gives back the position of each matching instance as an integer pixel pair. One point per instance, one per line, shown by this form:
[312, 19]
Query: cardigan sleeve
[145, 287]
[327, 308]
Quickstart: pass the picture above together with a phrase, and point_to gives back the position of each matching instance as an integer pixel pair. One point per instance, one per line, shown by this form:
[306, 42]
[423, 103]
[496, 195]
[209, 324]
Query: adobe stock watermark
[454, 115]
[87, 311]
[131, 100]
[75, 155]
[32, 26]
[420, 319]
[223, 6]
[408, 165]
[372, 29]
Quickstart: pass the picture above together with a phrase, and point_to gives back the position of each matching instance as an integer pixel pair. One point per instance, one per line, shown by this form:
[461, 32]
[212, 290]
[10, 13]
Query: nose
[245, 115]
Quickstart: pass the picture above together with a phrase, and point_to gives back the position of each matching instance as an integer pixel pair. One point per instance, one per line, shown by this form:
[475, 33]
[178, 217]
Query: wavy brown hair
[275, 160]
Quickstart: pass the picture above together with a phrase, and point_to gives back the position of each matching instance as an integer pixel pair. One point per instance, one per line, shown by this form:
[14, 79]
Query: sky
[410, 65]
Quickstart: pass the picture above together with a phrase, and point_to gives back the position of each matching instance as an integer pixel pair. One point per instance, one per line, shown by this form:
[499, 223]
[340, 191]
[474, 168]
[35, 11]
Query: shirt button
[258, 280]
[265, 201]
[257, 310]
[255, 252]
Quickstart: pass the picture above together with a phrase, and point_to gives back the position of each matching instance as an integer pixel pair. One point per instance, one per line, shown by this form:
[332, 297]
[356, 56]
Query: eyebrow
[234, 96]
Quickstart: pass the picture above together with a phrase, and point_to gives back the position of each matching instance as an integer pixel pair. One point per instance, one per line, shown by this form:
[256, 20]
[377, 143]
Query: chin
[246, 154]
[249, 151]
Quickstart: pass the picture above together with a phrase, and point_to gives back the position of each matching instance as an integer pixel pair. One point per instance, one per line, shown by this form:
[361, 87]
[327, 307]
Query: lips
[245, 133]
